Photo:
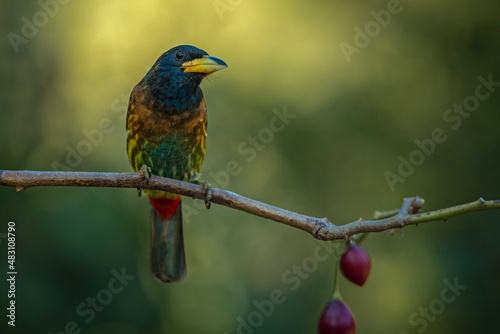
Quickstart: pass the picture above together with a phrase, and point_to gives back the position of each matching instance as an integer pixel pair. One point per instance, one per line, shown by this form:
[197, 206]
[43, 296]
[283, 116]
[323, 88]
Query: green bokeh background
[353, 120]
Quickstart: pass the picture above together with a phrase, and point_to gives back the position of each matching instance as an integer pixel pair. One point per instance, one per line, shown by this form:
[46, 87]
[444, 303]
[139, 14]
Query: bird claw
[206, 187]
[139, 191]
[208, 194]
[146, 172]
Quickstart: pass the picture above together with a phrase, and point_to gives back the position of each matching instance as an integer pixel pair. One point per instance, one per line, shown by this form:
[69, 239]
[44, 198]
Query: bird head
[188, 62]
[175, 78]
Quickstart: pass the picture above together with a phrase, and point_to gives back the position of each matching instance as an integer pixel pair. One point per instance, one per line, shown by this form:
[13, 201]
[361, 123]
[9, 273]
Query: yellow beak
[207, 64]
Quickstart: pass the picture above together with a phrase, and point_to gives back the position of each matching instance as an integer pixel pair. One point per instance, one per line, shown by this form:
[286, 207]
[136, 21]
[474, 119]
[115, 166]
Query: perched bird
[166, 123]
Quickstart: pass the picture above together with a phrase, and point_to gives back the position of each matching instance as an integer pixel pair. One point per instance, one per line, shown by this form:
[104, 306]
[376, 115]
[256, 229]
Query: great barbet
[166, 123]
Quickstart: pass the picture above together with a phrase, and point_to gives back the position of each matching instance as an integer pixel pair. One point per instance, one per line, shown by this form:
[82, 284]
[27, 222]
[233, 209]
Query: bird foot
[206, 186]
[146, 172]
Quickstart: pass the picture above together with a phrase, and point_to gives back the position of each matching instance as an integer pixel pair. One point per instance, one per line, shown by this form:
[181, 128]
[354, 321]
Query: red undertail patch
[165, 207]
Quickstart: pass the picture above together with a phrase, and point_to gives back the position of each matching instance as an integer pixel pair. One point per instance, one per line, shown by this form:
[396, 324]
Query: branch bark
[320, 228]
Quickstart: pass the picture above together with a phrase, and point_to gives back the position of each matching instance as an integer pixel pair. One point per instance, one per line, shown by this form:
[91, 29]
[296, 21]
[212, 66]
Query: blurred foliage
[353, 120]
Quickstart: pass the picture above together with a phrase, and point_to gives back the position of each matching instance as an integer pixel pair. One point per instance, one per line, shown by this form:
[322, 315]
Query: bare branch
[320, 228]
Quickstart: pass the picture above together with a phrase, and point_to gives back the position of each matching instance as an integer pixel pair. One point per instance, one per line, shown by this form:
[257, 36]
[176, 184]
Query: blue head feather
[168, 87]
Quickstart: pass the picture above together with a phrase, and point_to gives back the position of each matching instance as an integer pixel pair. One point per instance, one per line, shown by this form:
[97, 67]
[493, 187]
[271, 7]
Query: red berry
[336, 319]
[355, 265]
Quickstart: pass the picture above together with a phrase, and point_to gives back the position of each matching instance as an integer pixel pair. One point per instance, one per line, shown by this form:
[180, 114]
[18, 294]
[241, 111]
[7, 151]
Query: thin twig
[320, 228]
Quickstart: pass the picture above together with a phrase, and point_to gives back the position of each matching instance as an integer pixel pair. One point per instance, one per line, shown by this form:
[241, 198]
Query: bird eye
[179, 55]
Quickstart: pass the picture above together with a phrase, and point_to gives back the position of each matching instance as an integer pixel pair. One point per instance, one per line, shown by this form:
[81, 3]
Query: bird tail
[167, 260]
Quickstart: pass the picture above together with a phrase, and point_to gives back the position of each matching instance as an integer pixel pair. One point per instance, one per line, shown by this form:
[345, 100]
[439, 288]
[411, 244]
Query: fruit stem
[336, 289]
